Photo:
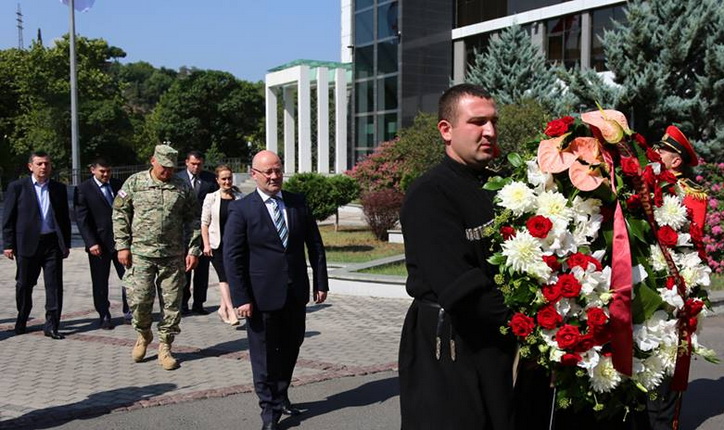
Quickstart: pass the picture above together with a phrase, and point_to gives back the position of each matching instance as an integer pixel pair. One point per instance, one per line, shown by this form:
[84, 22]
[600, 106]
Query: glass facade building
[407, 52]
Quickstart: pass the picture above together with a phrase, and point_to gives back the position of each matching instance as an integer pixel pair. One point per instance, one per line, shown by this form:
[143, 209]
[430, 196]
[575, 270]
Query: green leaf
[638, 228]
[646, 302]
[515, 159]
[496, 183]
[497, 259]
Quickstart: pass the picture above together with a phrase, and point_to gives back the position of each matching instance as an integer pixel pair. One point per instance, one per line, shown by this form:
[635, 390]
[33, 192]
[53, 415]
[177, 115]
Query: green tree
[512, 68]
[39, 98]
[142, 84]
[519, 124]
[324, 194]
[669, 58]
[207, 107]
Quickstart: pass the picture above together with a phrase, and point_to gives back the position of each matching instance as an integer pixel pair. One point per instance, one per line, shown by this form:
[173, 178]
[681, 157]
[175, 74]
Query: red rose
[668, 176]
[558, 127]
[692, 307]
[552, 292]
[569, 285]
[653, 156]
[640, 140]
[595, 262]
[633, 202]
[552, 262]
[577, 260]
[539, 226]
[667, 236]
[507, 232]
[630, 166]
[670, 282]
[596, 317]
[568, 336]
[585, 343]
[649, 176]
[607, 212]
[692, 324]
[570, 359]
[522, 325]
[548, 317]
[601, 335]
[658, 196]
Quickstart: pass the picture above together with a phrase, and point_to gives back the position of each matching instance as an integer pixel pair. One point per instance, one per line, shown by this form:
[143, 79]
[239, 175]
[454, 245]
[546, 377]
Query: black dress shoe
[20, 330]
[289, 409]
[270, 426]
[106, 324]
[53, 334]
[199, 310]
[185, 310]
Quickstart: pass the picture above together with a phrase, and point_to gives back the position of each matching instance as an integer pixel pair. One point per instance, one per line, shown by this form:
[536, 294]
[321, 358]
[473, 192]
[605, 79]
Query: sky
[243, 37]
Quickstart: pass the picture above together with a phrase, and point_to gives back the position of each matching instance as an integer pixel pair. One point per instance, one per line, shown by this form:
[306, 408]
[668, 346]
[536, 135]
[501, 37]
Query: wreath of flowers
[595, 202]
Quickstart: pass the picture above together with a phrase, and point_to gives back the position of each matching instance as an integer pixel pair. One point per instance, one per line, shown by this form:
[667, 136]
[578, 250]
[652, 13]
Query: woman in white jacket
[213, 218]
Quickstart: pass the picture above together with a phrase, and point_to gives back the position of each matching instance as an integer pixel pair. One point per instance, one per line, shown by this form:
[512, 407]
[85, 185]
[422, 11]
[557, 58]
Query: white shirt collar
[35, 181]
[99, 183]
[264, 196]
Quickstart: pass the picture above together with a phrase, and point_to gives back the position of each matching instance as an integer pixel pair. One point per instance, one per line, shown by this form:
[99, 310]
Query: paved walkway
[91, 370]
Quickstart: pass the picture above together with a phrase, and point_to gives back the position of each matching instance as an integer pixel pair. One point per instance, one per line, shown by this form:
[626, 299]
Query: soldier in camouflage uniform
[149, 215]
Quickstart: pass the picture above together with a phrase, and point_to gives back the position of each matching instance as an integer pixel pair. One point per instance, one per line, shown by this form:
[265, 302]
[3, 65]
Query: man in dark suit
[202, 182]
[93, 202]
[36, 233]
[264, 241]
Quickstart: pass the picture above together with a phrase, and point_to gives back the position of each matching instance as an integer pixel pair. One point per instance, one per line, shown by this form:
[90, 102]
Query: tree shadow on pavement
[364, 395]
[97, 404]
[702, 401]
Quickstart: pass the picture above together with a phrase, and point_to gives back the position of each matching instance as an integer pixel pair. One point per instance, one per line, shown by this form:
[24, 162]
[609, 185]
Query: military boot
[139, 349]
[165, 359]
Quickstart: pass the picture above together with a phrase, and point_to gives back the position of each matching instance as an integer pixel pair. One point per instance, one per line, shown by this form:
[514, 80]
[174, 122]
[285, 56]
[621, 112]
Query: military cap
[165, 155]
[674, 140]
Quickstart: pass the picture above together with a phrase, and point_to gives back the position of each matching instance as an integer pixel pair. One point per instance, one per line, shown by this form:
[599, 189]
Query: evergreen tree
[669, 58]
[512, 68]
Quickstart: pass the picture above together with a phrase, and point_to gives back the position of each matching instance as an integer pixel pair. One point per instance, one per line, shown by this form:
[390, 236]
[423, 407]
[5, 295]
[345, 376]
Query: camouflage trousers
[141, 281]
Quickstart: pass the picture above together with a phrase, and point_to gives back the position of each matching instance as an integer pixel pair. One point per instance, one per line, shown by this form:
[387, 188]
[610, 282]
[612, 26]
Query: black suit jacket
[93, 214]
[208, 184]
[21, 217]
[258, 267]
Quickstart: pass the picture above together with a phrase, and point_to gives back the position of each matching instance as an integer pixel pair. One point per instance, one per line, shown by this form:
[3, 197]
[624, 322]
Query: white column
[460, 62]
[289, 137]
[271, 119]
[305, 117]
[322, 120]
[340, 120]
[586, 38]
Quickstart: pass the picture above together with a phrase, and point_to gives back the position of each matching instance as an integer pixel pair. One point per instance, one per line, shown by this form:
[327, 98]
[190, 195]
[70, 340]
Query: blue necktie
[106, 190]
[279, 222]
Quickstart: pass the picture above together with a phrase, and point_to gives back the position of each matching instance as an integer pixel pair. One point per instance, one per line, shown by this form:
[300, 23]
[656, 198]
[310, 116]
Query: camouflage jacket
[149, 217]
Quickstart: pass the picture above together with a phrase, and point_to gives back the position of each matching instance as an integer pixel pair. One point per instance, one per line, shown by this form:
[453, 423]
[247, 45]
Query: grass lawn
[717, 282]
[355, 245]
[394, 269]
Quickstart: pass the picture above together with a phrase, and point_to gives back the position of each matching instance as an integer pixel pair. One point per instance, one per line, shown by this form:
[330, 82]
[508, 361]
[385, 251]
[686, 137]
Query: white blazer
[210, 215]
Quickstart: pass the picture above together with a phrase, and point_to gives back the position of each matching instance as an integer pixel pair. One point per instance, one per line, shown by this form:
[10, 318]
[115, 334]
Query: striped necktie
[279, 222]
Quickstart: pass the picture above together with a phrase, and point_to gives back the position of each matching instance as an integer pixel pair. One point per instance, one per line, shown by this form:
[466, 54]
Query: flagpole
[75, 151]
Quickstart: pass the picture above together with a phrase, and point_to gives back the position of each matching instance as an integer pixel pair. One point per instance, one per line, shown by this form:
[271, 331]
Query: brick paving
[91, 371]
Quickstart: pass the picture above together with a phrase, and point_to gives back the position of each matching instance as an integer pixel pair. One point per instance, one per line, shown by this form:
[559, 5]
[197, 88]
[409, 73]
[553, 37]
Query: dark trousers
[49, 258]
[201, 283]
[274, 341]
[100, 268]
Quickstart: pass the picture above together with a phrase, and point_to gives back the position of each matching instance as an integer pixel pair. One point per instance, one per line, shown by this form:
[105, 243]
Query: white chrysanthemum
[604, 377]
[667, 355]
[517, 197]
[525, 255]
[554, 205]
[671, 212]
[541, 181]
[658, 262]
[648, 372]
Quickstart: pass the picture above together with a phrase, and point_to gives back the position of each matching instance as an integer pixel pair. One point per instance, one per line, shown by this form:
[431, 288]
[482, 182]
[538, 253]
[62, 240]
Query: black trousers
[49, 258]
[274, 341]
[100, 268]
[201, 283]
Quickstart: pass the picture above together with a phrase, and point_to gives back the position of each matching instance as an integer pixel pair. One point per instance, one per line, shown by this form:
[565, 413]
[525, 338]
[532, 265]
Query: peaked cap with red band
[674, 140]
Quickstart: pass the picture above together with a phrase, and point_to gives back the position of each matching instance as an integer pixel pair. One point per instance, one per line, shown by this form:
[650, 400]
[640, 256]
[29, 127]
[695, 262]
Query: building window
[365, 131]
[601, 20]
[364, 91]
[363, 4]
[387, 93]
[387, 126]
[387, 20]
[387, 56]
[364, 27]
[364, 61]
[564, 40]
